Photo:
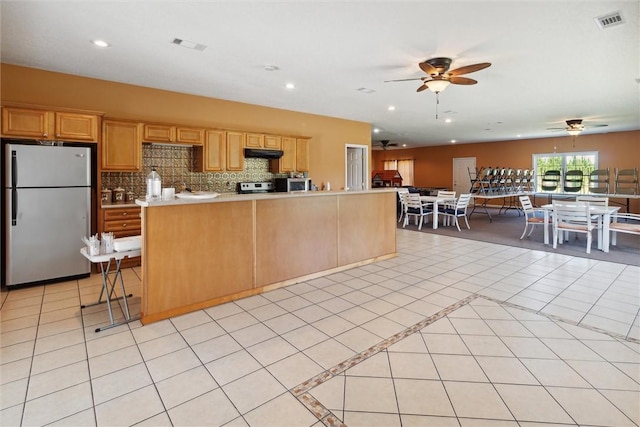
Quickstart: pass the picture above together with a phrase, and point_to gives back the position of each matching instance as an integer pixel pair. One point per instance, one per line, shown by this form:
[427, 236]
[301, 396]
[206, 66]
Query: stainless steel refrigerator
[48, 211]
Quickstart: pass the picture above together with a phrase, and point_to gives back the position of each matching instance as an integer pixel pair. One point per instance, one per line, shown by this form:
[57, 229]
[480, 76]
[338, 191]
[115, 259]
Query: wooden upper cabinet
[78, 127]
[302, 155]
[273, 142]
[159, 133]
[212, 156]
[254, 140]
[26, 122]
[193, 136]
[287, 163]
[235, 151]
[49, 125]
[121, 146]
[173, 134]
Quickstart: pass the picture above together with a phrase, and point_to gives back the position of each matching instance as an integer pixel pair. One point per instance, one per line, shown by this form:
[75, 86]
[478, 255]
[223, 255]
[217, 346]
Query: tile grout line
[301, 391]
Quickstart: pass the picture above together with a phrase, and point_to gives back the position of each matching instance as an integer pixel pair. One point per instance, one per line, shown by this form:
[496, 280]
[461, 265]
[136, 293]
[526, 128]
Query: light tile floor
[451, 332]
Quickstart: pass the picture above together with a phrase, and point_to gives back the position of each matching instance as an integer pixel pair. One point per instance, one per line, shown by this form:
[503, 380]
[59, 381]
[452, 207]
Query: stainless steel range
[255, 187]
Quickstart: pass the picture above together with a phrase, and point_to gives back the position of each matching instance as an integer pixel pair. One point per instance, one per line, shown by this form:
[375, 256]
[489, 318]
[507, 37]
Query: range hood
[262, 153]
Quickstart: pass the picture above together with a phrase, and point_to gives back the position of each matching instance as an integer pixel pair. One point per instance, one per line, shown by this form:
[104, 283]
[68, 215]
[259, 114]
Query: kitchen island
[197, 253]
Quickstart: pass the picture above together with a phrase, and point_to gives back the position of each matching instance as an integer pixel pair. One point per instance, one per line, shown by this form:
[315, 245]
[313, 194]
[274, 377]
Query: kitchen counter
[199, 253]
[118, 205]
[226, 197]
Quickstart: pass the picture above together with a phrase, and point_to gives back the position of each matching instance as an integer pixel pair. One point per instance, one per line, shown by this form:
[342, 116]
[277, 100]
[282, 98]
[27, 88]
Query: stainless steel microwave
[292, 184]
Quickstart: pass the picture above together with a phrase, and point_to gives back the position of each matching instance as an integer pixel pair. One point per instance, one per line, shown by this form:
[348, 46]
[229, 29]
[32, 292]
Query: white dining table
[436, 201]
[603, 233]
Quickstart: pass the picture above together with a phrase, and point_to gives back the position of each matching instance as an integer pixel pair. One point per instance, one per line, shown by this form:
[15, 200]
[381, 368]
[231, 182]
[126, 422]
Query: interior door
[356, 168]
[461, 179]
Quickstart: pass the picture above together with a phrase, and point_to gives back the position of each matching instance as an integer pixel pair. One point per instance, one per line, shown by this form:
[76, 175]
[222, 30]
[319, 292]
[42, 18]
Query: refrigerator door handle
[14, 207]
[14, 169]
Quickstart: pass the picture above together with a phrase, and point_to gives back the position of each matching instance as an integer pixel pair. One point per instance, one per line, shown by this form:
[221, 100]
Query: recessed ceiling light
[376, 130]
[391, 108]
[404, 145]
[447, 120]
[290, 86]
[453, 141]
[518, 136]
[100, 43]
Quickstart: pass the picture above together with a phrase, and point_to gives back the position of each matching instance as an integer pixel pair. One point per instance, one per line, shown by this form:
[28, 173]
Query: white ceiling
[550, 61]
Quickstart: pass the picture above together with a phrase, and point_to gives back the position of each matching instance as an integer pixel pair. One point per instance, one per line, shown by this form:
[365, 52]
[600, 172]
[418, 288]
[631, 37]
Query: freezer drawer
[44, 244]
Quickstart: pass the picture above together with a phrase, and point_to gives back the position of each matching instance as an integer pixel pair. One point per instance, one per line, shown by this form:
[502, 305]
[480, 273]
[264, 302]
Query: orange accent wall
[433, 166]
[328, 135]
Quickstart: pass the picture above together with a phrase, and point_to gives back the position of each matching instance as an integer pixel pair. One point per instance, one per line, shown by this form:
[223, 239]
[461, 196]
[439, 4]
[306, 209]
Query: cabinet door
[302, 155]
[190, 136]
[235, 151]
[273, 142]
[211, 157]
[78, 127]
[121, 146]
[159, 133]
[288, 160]
[26, 122]
[254, 140]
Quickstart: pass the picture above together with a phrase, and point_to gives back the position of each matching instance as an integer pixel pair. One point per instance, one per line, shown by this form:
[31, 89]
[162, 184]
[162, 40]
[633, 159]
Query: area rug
[506, 228]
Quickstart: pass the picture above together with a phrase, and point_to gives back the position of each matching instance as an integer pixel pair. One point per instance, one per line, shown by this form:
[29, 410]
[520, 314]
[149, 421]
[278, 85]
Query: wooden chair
[457, 211]
[574, 217]
[530, 215]
[414, 207]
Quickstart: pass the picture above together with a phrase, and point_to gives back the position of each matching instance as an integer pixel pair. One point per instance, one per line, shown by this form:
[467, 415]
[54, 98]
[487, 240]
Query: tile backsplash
[175, 165]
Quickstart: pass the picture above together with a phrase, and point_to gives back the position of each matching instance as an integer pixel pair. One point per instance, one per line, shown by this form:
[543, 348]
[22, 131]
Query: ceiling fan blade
[596, 126]
[469, 69]
[428, 68]
[404, 80]
[421, 88]
[462, 81]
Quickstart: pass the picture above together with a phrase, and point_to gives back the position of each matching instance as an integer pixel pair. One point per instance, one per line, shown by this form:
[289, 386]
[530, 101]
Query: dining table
[435, 201]
[603, 232]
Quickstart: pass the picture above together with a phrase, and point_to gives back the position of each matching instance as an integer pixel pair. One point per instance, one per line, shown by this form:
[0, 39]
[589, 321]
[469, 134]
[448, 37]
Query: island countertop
[203, 252]
[233, 197]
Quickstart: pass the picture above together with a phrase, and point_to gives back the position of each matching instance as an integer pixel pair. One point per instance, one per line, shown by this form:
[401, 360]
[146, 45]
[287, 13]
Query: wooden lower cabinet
[122, 222]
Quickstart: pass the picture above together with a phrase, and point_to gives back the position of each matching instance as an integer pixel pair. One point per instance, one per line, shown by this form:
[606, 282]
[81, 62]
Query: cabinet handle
[57, 135]
[124, 225]
[45, 135]
[124, 214]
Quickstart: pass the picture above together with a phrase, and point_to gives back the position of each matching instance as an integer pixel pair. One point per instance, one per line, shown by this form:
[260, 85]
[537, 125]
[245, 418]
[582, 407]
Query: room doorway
[356, 167]
[461, 179]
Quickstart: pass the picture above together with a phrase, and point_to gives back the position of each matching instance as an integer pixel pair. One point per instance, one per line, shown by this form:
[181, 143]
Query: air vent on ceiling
[189, 44]
[606, 21]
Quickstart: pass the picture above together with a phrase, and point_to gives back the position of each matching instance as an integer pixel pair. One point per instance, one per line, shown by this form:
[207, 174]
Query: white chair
[401, 193]
[530, 215]
[457, 211]
[449, 198]
[414, 207]
[630, 224]
[602, 201]
[574, 217]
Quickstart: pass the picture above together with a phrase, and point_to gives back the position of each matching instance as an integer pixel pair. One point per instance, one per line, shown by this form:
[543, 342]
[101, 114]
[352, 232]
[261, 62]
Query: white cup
[168, 193]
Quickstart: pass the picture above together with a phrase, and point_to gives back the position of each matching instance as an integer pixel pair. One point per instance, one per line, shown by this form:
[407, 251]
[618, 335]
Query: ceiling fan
[439, 76]
[385, 143]
[575, 126]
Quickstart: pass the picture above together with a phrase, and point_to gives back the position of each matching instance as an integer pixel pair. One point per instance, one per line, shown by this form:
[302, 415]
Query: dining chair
[416, 208]
[458, 210]
[530, 215]
[628, 223]
[402, 192]
[571, 217]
